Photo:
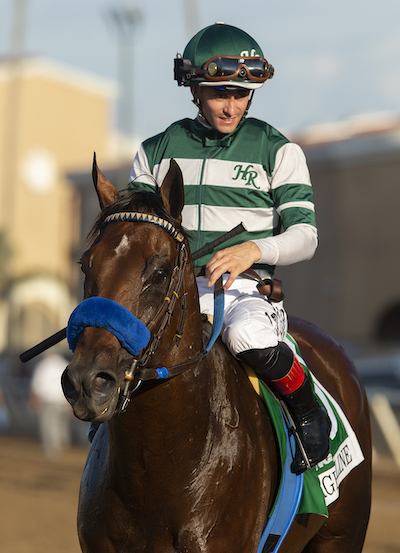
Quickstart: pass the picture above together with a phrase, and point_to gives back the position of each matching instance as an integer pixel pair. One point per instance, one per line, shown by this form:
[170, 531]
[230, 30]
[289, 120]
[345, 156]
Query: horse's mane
[142, 201]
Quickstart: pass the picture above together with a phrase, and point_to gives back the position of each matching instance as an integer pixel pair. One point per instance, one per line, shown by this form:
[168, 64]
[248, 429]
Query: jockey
[239, 169]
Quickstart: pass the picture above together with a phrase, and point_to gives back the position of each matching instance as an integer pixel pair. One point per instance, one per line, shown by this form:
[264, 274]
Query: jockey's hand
[233, 260]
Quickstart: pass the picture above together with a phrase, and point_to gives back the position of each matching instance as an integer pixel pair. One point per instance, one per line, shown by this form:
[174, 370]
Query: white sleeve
[140, 170]
[297, 243]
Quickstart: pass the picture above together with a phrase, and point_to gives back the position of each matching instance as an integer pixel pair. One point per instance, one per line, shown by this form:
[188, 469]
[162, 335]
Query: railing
[387, 421]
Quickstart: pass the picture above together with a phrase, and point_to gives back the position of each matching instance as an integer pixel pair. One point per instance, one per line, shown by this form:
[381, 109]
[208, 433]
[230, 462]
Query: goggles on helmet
[224, 68]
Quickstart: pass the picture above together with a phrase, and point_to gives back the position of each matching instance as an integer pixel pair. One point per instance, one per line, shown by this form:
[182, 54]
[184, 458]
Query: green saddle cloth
[322, 482]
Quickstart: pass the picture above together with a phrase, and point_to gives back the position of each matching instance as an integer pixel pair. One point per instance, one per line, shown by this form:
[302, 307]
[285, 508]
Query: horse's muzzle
[92, 393]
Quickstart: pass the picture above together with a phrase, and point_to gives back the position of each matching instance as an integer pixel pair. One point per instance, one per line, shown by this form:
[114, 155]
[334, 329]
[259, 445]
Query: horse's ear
[172, 193]
[106, 192]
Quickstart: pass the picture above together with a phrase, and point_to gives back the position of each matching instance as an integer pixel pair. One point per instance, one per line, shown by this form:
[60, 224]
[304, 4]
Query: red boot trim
[291, 381]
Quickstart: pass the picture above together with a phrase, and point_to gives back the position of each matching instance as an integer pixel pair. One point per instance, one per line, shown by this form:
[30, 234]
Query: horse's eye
[159, 276]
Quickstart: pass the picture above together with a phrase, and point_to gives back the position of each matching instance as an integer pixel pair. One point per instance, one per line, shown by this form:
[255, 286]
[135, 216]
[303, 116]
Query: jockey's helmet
[222, 55]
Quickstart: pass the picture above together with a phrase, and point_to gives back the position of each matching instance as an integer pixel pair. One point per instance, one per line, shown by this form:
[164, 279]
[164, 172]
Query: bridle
[141, 347]
[176, 291]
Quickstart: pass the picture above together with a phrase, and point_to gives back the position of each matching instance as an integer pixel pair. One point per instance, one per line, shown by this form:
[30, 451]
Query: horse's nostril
[68, 387]
[103, 382]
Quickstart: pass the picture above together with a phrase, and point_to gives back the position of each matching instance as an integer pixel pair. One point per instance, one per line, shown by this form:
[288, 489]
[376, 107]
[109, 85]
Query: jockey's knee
[239, 335]
[271, 363]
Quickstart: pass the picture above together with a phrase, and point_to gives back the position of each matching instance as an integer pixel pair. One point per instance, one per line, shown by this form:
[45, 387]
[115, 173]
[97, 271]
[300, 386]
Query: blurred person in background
[47, 401]
[4, 411]
[4, 416]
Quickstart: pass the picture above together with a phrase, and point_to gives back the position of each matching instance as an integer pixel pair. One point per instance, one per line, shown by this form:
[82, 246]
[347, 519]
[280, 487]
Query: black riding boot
[282, 372]
[312, 424]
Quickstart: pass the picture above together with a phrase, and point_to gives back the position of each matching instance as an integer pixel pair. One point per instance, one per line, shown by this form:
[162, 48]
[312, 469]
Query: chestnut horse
[191, 465]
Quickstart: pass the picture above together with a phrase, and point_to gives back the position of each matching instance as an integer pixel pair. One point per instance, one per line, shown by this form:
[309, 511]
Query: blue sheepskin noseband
[104, 313]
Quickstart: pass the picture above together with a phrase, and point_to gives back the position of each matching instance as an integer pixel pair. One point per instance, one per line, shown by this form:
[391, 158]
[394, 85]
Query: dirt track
[39, 500]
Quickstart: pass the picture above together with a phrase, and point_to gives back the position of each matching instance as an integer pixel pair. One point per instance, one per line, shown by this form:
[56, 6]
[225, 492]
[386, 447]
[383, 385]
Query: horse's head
[134, 262]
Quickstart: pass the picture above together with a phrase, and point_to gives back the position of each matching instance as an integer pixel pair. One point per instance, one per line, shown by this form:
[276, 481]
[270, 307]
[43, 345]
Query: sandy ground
[39, 501]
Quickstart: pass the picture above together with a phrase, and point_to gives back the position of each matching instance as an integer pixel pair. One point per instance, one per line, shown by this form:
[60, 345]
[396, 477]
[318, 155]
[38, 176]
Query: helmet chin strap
[197, 103]
[247, 108]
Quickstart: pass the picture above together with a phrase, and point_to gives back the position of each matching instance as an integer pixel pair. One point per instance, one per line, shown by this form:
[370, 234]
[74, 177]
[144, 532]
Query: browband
[146, 218]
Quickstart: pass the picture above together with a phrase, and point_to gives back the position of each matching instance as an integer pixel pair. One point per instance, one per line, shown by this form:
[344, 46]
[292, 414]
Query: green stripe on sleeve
[297, 216]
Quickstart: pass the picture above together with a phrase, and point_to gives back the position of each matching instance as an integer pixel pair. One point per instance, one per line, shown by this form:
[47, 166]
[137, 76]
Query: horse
[190, 465]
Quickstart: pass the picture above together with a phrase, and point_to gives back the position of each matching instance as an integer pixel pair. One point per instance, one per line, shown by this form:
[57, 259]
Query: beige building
[52, 120]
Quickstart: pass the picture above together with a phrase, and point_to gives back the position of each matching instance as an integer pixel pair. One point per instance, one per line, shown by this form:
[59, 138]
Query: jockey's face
[223, 109]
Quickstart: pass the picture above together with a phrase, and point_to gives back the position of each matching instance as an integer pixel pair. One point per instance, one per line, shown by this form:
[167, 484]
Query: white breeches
[250, 320]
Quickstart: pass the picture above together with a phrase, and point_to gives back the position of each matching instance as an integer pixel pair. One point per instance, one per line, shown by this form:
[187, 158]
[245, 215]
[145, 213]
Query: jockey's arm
[297, 243]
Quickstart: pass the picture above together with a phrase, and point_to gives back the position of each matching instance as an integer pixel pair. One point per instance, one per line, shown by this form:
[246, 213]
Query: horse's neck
[190, 417]
[189, 428]
[164, 410]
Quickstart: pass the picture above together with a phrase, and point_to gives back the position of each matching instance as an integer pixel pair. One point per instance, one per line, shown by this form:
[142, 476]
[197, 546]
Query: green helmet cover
[220, 40]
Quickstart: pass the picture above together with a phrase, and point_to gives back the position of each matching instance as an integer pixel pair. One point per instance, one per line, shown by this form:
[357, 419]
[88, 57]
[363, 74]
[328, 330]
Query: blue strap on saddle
[287, 504]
